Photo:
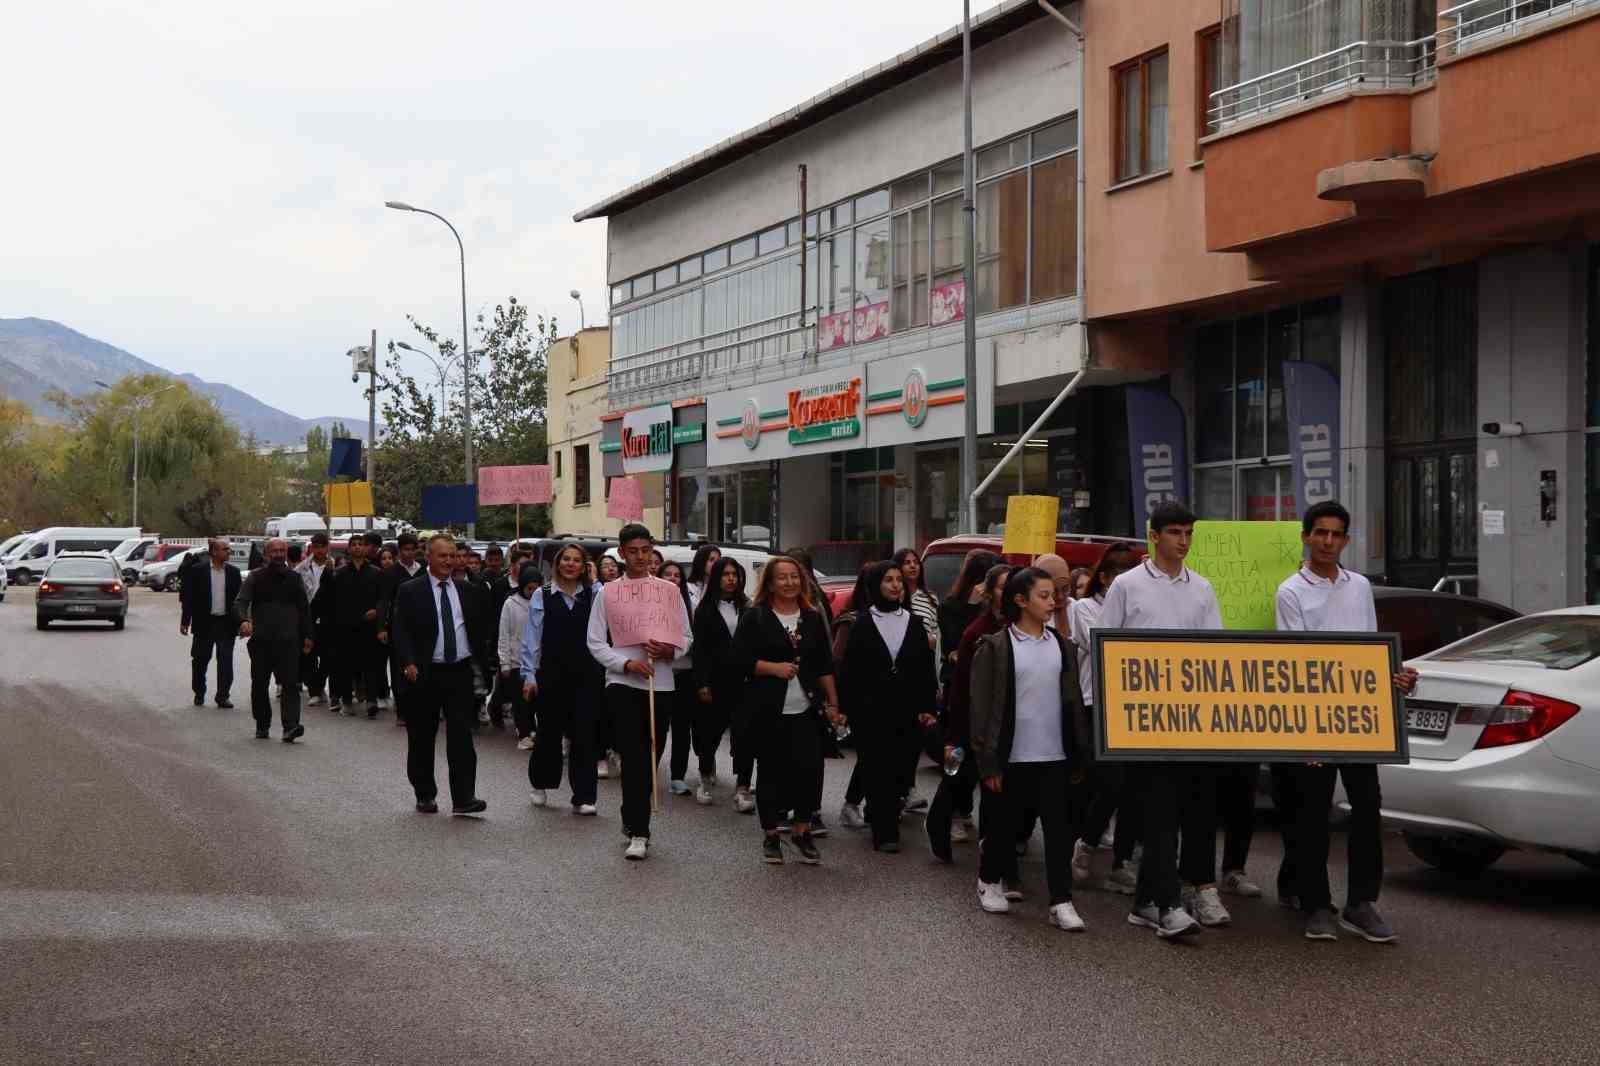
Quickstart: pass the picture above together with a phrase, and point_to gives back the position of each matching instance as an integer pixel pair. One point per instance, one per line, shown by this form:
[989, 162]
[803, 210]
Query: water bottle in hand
[952, 761]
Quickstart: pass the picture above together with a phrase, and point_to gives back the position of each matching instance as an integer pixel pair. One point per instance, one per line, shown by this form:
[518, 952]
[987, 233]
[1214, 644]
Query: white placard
[1494, 523]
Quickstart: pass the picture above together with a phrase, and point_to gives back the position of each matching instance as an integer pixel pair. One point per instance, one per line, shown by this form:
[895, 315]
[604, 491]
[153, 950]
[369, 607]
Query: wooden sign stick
[655, 760]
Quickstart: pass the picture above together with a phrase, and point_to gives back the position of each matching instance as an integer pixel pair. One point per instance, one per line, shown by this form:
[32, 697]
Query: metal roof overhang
[987, 26]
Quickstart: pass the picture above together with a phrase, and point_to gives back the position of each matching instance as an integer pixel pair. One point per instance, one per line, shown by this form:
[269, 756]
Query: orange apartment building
[1357, 241]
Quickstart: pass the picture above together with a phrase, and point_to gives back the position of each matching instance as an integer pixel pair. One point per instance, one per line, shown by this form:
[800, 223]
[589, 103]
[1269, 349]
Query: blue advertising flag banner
[1312, 402]
[1158, 452]
[344, 457]
[449, 505]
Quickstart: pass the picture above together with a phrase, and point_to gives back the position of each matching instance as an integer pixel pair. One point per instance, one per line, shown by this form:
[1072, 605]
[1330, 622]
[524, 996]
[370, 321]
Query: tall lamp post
[139, 406]
[576, 295]
[466, 353]
[439, 368]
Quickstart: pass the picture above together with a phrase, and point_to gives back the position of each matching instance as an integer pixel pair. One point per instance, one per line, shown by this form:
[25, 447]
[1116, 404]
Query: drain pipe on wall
[1077, 379]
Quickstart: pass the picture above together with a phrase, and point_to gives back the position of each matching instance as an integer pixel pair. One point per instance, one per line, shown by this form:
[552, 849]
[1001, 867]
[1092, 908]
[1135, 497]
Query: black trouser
[1039, 787]
[994, 845]
[565, 709]
[355, 664]
[790, 755]
[207, 639]
[744, 748]
[1161, 785]
[683, 722]
[881, 761]
[1222, 792]
[281, 657]
[443, 691]
[1236, 808]
[1305, 794]
[711, 721]
[629, 709]
[522, 711]
[954, 795]
[314, 665]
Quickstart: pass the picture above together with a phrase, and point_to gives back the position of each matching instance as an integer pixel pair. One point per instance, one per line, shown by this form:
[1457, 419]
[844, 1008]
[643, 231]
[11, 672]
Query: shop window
[1250, 396]
[1213, 492]
[580, 475]
[1002, 243]
[1213, 388]
[1141, 117]
[871, 307]
[689, 507]
[1055, 229]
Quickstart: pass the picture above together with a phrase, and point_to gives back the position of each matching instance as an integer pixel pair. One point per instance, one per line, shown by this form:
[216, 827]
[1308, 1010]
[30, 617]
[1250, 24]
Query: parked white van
[30, 559]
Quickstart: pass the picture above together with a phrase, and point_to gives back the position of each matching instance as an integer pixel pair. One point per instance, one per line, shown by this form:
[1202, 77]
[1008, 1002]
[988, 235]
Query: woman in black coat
[719, 676]
[886, 681]
[782, 642]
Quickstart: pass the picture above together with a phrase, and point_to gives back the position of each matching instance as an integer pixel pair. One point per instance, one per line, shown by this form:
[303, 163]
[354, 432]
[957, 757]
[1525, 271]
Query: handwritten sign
[1031, 525]
[349, 500]
[513, 484]
[1246, 562]
[1170, 694]
[643, 610]
[626, 500]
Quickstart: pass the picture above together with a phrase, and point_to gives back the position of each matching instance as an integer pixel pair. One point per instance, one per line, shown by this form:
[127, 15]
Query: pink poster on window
[872, 322]
[949, 302]
[833, 331]
[513, 484]
[625, 500]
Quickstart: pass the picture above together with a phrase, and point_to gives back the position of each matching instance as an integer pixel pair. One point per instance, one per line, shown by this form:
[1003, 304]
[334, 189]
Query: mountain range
[37, 355]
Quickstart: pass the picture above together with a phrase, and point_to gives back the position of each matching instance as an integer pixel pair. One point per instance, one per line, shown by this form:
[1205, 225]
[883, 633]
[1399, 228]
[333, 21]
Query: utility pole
[969, 209]
[372, 414]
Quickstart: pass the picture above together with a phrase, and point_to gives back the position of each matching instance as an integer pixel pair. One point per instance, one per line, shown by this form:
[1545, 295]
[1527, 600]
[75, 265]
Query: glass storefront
[733, 505]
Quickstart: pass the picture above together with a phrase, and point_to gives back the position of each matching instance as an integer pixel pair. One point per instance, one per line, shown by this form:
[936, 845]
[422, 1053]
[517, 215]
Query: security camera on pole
[367, 359]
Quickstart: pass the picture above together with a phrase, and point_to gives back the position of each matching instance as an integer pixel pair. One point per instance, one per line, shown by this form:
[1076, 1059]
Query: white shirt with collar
[463, 646]
[1147, 598]
[1082, 618]
[219, 590]
[1036, 661]
[1307, 602]
[311, 576]
[892, 626]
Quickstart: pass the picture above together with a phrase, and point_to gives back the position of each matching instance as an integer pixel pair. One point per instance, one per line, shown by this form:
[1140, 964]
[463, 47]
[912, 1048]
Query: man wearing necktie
[435, 628]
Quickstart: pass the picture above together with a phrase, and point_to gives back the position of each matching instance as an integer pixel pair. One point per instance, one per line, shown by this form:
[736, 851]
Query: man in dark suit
[351, 600]
[206, 600]
[276, 619]
[437, 626]
[405, 568]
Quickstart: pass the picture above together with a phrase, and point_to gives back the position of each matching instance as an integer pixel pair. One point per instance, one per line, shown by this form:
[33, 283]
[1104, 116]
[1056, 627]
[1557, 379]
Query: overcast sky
[202, 184]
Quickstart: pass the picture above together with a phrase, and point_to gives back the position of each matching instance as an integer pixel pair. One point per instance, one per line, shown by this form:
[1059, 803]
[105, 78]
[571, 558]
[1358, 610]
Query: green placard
[848, 427]
[611, 446]
[1246, 562]
[693, 433]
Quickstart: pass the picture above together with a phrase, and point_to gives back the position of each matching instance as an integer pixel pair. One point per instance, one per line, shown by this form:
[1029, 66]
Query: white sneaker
[540, 797]
[1082, 862]
[678, 788]
[959, 833]
[1176, 923]
[915, 801]
[743, 801]
[383, 705]
[315, 701]
[1207, 906]
[708, 780]
[1064, 916]
[1238, 883]
[992, 898]
[603, 770]
[1109, 837]
[850, 816]
[588, 810]
[703, 796]
[525, 744]
[637, 848]
[615, 762]
[1146, 917]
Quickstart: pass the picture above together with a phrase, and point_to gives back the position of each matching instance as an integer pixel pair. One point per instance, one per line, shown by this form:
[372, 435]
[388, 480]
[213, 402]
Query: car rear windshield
[1553, 641]
[76, 568]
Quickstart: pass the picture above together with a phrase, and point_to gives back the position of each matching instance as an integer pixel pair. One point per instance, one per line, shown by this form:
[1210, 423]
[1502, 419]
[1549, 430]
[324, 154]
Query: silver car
[82, 587]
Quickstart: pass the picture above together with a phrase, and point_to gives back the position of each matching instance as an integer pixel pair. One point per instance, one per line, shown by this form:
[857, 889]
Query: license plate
[80, 608]
[1429, 720]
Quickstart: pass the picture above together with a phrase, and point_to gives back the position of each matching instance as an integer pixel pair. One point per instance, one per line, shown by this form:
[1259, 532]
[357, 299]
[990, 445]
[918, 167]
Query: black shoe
[372, 712]
[472, 806]
[427, 807]
[772, 850]
[199, 699]
[807, 848]
[224, 703]
[261, 734]
[294, 734]
[819, 828]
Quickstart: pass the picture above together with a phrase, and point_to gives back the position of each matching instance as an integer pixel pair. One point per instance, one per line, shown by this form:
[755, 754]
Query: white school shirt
[1036, 661]
[730, 615]
[219, 591]
[892, 627]
[1082, 617]
[311, 576]
[612, 658]
[1343, 605]
[1146, 598]
[794, 698]
[457, 615]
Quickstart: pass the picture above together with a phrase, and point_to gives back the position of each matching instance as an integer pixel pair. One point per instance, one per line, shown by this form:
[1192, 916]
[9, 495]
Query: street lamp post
[466, 353]
[576, 295]
[139, 406]
[437, 366]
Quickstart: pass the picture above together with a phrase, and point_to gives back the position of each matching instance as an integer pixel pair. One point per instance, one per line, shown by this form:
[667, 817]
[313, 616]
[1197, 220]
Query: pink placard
[513, 484]
[625, 501]
[949, 302]
[643, 610]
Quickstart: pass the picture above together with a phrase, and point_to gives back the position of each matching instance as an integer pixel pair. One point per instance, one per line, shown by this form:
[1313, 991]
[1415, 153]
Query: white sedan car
[1504, 728]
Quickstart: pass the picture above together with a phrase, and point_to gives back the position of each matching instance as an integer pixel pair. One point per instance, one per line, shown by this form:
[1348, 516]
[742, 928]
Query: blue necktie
[447, 622]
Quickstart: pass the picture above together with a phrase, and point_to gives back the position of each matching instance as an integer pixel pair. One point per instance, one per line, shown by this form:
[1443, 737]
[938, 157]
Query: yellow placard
[350, 500]
[1031, 525]
[1169, 695]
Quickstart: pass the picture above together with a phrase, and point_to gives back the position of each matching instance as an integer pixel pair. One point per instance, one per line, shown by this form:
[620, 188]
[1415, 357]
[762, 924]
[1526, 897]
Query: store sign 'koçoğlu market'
[825, 412]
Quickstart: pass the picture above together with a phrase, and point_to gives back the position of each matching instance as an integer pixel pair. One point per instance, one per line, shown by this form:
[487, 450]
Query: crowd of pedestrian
[993, 681]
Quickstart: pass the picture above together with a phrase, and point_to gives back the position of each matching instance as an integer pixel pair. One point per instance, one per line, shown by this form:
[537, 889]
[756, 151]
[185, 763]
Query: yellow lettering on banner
[1031, 525]
[1196, 696]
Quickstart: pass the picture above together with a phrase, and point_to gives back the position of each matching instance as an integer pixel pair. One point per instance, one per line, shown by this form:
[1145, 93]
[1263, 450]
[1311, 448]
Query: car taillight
[47, 587]
[114, 586]
[1524, 716]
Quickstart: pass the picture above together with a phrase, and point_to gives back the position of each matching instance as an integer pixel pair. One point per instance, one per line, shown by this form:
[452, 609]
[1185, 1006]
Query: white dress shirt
[612, 658]
[1082, 618]
[1343, 605]
[311, 576]
[730, 615]
[1146, 598]
[892, 627]
[1037, 663]
[219, 590]
[463, 648]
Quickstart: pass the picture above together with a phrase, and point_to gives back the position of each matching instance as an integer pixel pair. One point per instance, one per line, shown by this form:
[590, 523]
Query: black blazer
[717, 665]
[874, 692]
[415, 624]
[194, 596]
[389, 582]
[761, 636]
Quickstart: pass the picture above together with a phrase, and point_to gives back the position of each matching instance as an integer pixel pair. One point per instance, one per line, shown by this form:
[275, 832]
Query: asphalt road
[174, 891]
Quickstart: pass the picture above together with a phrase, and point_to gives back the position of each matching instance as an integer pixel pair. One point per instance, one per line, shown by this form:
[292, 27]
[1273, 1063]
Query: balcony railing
[1479, 22]
[1374, 64]
[714, 354]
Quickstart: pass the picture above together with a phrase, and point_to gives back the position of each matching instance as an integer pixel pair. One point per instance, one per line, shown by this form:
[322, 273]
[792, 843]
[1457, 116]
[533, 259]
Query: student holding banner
[1324, 596]
[638, 671]
[1162, 593]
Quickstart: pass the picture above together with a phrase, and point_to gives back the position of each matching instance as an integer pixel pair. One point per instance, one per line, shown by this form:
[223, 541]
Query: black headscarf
[874, 579]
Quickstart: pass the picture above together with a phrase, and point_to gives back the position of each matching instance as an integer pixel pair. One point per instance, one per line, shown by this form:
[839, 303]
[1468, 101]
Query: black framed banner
[1229, 696]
